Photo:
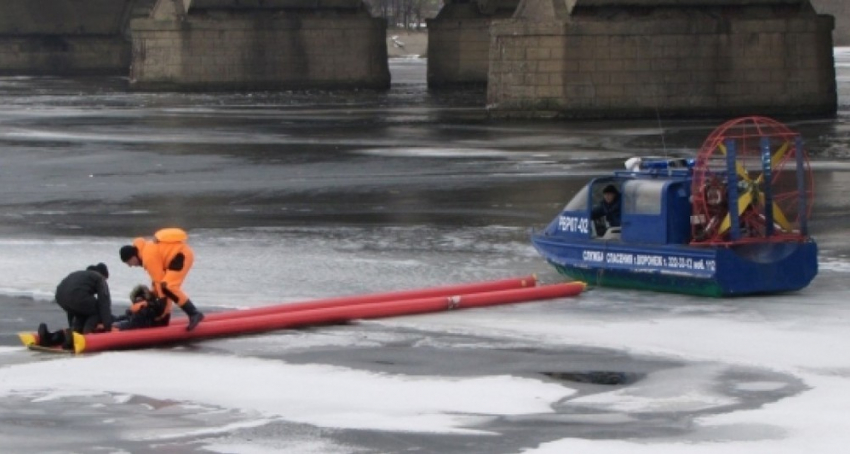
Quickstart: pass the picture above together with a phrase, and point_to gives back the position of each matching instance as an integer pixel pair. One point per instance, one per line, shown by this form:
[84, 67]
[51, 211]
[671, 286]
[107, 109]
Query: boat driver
[606, 213]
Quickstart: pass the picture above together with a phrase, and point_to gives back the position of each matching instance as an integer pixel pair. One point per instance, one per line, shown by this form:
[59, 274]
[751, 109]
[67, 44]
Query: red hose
[327, 315]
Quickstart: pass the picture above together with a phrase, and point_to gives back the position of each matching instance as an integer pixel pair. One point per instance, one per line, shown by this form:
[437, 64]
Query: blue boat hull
[743, 269]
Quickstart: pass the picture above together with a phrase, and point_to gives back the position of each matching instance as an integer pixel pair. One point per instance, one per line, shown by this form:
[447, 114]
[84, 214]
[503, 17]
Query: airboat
[732, 221]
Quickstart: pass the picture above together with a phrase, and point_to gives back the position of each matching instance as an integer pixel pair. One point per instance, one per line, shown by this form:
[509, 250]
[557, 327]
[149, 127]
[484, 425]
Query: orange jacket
[167, 259]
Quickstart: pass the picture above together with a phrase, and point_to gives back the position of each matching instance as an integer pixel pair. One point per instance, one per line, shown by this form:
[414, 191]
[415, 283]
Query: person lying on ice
[146, 311]
[167, 259]
[84, 296]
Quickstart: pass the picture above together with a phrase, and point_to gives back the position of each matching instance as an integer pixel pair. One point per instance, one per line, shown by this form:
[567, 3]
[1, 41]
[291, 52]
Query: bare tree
[409, 14]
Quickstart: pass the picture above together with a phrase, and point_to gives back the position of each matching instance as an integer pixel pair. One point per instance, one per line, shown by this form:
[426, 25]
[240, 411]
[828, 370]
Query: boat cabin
[655, 208]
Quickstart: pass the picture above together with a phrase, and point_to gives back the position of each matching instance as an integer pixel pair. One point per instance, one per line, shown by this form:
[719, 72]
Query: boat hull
[718, 271]
[655, 282]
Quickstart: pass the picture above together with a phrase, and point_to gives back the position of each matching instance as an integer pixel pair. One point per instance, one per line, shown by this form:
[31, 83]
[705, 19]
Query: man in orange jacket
[167, 259]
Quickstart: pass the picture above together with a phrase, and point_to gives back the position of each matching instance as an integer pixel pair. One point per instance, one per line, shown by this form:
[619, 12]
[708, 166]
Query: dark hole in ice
[597, 377]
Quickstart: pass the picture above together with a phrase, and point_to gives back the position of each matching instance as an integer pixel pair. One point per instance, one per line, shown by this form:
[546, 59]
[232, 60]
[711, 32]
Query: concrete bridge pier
[258, 45]
[459, 41]
[642, 58]
[66, 37]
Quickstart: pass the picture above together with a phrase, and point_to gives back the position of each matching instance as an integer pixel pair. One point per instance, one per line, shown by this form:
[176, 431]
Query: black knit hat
[128, 252]
[100, 268]
[610, 189]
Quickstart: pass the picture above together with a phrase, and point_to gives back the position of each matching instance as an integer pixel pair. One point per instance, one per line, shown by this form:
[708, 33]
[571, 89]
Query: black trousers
[145, 318]
[83, 314]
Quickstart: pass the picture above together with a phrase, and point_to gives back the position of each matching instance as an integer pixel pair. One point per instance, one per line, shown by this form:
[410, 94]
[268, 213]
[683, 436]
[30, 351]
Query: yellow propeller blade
[774, 160]
[778, 216]
[743, 202]
[780, 153]
[739, 169]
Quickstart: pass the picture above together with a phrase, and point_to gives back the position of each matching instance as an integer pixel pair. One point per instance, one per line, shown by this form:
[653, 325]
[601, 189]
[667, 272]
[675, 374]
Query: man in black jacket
[84, 295]
[607, 213]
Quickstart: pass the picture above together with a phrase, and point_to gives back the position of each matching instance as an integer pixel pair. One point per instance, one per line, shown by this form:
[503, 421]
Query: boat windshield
[579, 201]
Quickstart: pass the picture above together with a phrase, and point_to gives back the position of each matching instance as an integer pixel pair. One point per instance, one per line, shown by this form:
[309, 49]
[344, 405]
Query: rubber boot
[68, 339]
[43, 335]
[195, 316]
[59, 338]
[48, 339]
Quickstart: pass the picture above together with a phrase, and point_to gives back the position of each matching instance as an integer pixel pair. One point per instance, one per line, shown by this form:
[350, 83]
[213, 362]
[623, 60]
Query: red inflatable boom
[314, 316]
[478, 287]
[462, 289]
